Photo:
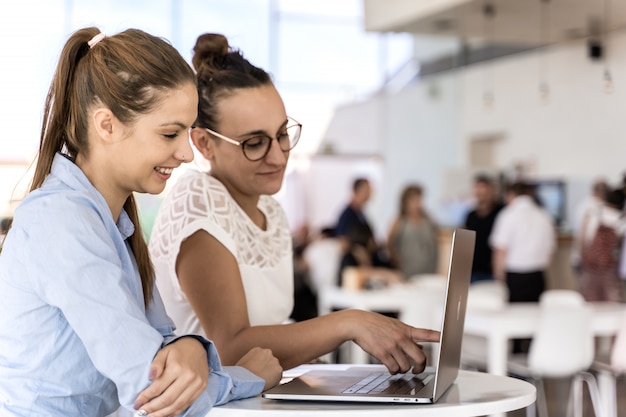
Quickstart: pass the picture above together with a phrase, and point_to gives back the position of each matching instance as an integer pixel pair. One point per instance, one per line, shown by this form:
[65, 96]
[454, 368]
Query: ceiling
[526, 22]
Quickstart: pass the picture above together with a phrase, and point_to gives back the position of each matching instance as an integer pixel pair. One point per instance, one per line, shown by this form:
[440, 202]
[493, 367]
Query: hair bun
[209, 52]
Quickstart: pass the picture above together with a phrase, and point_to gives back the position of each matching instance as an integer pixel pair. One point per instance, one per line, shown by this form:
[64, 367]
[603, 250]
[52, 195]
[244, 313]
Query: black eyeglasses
[257, 147]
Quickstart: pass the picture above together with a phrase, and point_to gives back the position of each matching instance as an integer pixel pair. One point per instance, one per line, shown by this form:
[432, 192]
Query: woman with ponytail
[221, 244]
[83, 329]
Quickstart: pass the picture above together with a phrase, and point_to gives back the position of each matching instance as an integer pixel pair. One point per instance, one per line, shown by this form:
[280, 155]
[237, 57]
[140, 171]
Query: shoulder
[397, 221]
[54, 225]
[347, 212]
[195, 194]
[470, 216]
[505, 213]
[49, 208]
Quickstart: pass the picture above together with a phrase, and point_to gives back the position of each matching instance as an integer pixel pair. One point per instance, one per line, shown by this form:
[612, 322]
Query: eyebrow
[179, 124]
[263, 132]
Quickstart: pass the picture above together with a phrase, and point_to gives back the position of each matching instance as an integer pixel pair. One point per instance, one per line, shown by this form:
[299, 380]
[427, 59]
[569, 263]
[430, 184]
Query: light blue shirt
[75, 338]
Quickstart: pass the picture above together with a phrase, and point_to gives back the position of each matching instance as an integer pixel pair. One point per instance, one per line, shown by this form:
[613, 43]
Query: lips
[277, 172]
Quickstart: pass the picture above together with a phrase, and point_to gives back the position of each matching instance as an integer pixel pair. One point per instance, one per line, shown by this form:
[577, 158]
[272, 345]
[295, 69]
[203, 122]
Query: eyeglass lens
[258, 147]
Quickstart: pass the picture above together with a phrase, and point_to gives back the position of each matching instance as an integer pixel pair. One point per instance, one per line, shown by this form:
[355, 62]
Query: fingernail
[152, 374]
[138, 405]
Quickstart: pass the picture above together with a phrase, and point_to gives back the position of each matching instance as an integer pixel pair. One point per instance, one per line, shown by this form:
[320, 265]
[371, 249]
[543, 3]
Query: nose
[276, 156]
[185, 151]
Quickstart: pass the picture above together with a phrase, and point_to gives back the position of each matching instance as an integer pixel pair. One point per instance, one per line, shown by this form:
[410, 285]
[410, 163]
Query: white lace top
[198, 201]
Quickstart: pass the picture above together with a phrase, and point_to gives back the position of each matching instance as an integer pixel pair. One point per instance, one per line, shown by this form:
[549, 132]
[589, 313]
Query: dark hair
[124, 72]
[5, 225]
[359, 234]
[220, 70]
[615, 198]
[483, 179]
[519, 188]
[358, 183]
[408, 192]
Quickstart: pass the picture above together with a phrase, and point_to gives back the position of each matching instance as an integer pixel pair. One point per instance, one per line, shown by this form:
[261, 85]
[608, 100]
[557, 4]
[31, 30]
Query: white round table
[473, 394]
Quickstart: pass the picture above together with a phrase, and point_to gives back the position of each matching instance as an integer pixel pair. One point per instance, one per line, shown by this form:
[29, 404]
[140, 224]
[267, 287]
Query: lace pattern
[199, 201]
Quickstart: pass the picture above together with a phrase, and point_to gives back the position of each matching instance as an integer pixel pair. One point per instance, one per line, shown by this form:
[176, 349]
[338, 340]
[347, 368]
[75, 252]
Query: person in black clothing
[353, 217]
[352, 222]
[481, 220]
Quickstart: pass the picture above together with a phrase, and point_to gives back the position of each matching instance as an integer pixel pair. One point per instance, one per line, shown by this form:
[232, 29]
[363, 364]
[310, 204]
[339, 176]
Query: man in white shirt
[523, 240]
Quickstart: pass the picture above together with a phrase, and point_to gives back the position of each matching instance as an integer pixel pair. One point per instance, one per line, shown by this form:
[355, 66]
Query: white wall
[576, 137]
[580, 132]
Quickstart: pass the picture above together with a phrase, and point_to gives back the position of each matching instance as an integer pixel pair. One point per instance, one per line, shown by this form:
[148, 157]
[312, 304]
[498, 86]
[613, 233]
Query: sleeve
[226, 383]
[230, 383]
[344, 223]
[499, 237]
[197, 202]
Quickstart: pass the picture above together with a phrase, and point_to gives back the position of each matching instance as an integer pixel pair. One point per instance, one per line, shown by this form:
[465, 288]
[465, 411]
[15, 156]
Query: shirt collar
[66, 171]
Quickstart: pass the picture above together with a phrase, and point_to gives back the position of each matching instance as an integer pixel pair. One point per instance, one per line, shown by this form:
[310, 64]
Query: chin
[153, 189]
[270, 190]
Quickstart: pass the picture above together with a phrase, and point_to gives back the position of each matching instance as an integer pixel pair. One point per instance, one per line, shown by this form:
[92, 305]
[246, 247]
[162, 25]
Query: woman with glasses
[221, 244]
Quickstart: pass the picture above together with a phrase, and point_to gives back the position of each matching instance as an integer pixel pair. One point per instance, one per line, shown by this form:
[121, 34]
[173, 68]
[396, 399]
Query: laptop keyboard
[384, 383]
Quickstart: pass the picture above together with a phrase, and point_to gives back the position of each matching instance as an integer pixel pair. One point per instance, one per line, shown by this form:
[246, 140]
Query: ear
[202, 142]
[106, 124]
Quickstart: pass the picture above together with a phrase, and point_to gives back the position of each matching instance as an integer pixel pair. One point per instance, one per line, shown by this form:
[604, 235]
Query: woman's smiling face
[156, 143]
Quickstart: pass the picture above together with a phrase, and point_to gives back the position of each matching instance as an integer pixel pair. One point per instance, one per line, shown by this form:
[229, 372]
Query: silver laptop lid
[459, 273]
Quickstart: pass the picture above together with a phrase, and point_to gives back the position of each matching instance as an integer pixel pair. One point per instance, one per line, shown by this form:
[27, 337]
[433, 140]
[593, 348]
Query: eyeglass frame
[242, 143]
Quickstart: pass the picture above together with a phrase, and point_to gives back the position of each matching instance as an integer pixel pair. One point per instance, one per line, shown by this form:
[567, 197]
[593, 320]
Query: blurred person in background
[357, 269]
[413, 236]
[523, 241]
[481, 220]
[354, 213]
[594, 201]
[600, 241]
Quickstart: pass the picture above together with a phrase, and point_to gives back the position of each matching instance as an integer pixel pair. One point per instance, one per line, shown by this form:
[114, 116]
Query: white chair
[323, 257]
[487, 295]
[428, 281]
[428, 311]
[562, 346]
[608, 370]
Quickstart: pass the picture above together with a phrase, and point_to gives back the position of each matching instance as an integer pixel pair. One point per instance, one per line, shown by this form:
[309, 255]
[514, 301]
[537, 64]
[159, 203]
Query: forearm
[293, 344]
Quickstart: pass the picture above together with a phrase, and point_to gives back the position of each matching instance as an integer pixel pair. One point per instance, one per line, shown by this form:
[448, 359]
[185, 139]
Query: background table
[473, 394]
[520, 320]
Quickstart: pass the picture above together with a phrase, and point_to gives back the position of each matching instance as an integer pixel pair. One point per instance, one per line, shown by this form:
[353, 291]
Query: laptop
[360, 384]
